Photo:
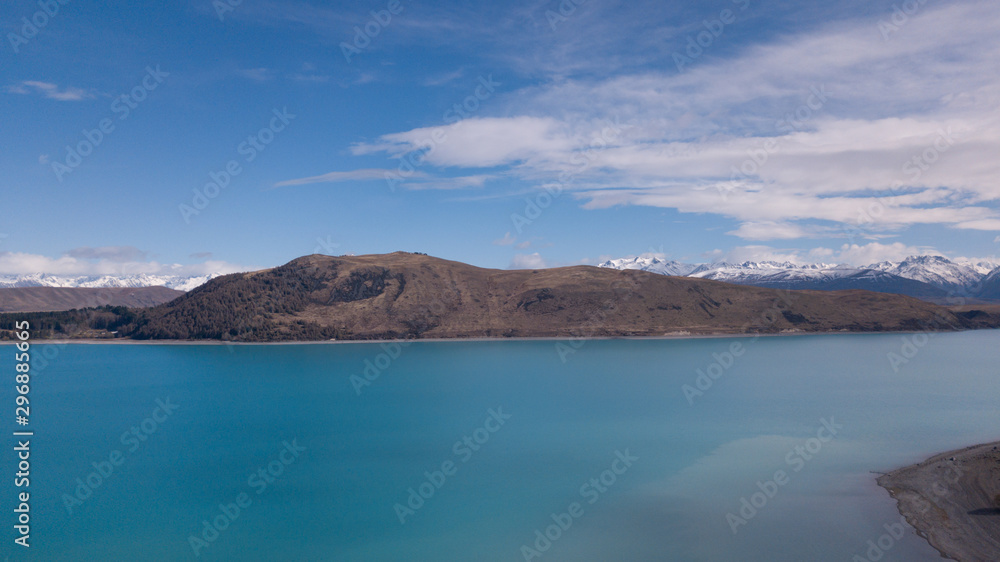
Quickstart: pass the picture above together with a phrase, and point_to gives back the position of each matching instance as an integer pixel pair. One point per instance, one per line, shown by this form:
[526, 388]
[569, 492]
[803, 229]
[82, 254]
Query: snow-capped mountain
[980, 267]
[933, 277]
[180, 283]
[819, 277]
[651, 264]
[751, 271]
[935, 270]
[990, 285]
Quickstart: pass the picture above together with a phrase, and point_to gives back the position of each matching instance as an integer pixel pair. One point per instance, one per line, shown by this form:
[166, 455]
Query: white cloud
[479, 142]
[851, 254]
[118, 254]
[97, 263]
[255, 74]
[49, 91]
[741, 254]
[770, 230]
[527, 261]
[874, 252]
[834, 124]
[460, 182]
[507, 240]
[411, 180]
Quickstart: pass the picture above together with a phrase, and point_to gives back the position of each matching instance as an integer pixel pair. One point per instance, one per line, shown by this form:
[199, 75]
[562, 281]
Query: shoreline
[952, 499]
[672, 336]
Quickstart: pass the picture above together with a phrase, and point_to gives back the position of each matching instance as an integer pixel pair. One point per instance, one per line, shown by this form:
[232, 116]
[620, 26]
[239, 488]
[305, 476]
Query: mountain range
[929, 277]
[404, 295]
[177, 282]
[933, 278]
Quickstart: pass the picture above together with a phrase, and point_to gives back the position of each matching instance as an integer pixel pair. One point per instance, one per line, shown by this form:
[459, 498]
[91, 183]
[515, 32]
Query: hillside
[46, 299]
[403, 295]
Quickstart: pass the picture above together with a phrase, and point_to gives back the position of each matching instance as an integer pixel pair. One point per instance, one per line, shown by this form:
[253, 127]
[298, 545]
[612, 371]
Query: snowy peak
[934, 270]
[178, 282]
[650, 264]
[922, 276]
[750, 272]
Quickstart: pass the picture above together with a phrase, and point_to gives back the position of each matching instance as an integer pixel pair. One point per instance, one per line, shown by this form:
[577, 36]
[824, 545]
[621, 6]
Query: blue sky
[737, 129]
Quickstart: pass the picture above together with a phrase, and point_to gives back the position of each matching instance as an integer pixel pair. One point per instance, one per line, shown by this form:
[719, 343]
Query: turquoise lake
[137, 446]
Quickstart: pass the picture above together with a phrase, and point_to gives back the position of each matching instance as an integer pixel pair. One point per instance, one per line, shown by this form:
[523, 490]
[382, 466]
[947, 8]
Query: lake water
[605, 443]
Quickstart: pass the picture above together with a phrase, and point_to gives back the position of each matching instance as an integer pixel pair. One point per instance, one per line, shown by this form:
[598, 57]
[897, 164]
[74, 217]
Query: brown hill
[412, 295]
[47, 299]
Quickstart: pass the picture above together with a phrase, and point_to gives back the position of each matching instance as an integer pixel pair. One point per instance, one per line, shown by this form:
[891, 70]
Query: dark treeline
[105, 319]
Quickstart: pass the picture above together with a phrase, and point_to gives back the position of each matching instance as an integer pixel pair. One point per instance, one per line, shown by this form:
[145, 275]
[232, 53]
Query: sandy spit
[953, 500]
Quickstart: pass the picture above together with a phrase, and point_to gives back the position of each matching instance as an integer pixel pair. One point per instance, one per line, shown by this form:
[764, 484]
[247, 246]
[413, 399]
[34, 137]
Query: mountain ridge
[929, 277]
[403, 295]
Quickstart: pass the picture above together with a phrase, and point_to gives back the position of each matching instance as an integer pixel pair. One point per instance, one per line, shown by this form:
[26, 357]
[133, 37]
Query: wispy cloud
[109, 253]
[367, 174]
[459, 182]
[793, 137]
[507, 240]
[528, 261]
[850, 254]
[49, 90]
[20, 263]
[414, 181]
[255, 74]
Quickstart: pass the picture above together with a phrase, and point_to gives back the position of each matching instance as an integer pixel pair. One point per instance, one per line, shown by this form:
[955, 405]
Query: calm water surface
[607, 443]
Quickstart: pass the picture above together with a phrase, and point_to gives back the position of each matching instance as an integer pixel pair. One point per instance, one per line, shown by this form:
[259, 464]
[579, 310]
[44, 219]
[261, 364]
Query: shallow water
[342, 454]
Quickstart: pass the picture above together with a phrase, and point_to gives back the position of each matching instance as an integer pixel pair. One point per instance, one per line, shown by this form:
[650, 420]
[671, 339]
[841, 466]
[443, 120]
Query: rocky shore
[953, 500]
